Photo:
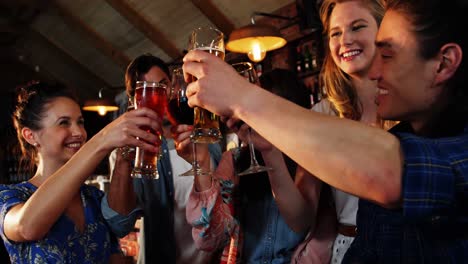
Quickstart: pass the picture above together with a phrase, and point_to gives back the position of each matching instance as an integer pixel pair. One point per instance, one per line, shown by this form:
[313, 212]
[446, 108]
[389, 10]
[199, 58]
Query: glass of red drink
[178, 110]
[152, 95]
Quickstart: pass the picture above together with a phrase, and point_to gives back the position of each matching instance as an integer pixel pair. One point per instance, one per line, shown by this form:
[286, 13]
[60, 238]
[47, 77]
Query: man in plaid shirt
[413, 181]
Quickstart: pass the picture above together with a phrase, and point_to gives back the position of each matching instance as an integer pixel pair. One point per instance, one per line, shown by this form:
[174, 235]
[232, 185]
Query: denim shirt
[156, 203]
[267, 237]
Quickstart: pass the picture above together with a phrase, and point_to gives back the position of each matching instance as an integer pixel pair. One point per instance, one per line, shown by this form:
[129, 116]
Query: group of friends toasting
[375, 173]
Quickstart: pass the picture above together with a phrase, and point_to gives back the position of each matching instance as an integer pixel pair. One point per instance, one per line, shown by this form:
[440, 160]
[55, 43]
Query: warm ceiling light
[100, 105]
[256, 40]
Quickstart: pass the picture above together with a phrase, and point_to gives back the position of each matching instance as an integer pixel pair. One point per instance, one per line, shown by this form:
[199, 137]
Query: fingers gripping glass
[128, 152]
[152, 95]
[180, 113]
[206, 124]
[246, 69]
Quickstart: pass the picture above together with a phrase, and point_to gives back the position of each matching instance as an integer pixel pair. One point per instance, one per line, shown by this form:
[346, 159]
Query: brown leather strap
[347, 230]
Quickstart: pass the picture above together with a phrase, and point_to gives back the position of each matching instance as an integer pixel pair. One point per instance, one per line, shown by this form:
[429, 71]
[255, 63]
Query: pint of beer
[206, 124]
[151, 95]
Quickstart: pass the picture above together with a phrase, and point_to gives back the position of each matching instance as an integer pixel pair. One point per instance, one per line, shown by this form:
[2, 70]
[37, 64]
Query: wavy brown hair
[338, 87]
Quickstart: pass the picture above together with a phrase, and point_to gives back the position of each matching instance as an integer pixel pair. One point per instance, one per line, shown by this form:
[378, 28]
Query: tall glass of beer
[206, 124]
[152, 95]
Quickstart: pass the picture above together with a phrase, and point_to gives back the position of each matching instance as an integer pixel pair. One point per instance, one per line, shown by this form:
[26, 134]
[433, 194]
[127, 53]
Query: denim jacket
[156, 203]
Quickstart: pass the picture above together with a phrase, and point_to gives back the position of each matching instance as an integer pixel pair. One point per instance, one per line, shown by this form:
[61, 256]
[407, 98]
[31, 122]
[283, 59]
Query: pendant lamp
[256, 39]
[101, 105]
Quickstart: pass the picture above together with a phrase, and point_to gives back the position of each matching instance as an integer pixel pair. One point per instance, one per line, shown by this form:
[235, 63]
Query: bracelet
[127, 153]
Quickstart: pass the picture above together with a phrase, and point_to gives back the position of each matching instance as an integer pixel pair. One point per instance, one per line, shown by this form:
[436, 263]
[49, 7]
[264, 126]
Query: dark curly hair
[30, 106]
[139, 66]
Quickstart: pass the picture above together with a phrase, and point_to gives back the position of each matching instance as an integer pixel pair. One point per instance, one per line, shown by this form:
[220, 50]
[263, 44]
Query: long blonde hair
[337, 84]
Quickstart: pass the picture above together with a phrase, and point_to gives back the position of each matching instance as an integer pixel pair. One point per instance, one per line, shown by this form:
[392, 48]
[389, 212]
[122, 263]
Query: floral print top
[64, 243]
[248, 231]
[213, 216]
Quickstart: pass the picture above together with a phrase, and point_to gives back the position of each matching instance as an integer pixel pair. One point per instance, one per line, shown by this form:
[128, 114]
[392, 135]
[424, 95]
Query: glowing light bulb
[257, 52]
[102, 110]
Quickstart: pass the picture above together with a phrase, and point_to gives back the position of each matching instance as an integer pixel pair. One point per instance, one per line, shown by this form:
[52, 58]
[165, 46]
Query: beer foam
[210, 49]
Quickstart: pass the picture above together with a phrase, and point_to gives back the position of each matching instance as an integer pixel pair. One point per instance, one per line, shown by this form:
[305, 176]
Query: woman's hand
[242, 129]
[183, 145]
[127, 131]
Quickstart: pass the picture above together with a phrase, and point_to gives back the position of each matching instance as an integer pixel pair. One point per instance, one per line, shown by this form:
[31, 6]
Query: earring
[35, 144]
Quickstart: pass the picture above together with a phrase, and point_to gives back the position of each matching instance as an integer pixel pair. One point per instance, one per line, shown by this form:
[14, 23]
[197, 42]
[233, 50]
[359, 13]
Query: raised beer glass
[179, 112]
[247, 70]
[206, 124]
[152, 95]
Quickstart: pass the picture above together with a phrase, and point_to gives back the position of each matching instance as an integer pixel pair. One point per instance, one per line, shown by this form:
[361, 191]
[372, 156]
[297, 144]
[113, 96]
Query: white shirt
[346, 204]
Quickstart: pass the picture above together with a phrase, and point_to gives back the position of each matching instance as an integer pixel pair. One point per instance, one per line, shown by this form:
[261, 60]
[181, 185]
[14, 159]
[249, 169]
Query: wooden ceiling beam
[214, 15]
[17, 70]
[98, 41]
[144, 26]
[58, 64]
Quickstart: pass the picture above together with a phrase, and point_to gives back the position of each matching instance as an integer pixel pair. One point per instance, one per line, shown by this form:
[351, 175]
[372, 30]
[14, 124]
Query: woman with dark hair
[53, 217]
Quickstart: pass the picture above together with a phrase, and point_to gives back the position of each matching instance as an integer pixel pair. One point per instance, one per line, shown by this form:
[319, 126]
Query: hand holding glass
[206, 124]
[180, 113]
[153, 96]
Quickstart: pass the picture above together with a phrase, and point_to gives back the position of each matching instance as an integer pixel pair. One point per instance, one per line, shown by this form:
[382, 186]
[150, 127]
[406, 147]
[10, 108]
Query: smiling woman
[53, 215]
[43, 108]
[350, 27]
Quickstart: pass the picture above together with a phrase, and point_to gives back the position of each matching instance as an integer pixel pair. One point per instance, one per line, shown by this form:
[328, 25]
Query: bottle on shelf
[299, 60]
[307, 59]
[259, 69]
[313, 58]
[317, 91]
[312, 100]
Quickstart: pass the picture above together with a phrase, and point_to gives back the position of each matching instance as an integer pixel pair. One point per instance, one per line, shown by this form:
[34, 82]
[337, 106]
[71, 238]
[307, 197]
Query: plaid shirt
[432, 225]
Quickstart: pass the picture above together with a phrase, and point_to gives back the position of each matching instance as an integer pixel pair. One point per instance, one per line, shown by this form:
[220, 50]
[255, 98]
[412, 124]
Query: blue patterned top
[64, 243]
[432, 225]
